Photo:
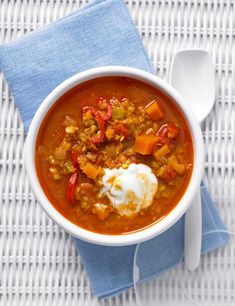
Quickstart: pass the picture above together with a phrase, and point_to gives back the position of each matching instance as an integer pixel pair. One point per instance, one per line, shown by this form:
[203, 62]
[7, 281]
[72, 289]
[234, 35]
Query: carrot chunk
[91, 171]
[162, 152]
[153, 109]
[144, 144]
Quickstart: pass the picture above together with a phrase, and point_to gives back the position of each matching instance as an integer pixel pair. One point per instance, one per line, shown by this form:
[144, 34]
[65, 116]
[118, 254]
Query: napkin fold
[102, 33]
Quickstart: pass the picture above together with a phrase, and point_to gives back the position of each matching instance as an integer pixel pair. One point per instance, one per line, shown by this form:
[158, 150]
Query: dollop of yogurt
[129, 190]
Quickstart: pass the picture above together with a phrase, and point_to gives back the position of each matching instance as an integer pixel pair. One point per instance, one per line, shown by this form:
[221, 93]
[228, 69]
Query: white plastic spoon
[193, 76]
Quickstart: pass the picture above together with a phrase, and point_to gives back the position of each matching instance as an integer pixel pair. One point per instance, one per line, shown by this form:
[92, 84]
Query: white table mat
[38, 263]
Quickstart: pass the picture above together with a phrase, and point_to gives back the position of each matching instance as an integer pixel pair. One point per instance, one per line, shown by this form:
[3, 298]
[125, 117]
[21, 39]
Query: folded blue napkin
[100, 34]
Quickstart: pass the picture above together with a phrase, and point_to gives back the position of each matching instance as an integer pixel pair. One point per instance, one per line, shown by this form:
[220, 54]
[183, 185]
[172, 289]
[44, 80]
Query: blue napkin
[110, 269]
[100, 34]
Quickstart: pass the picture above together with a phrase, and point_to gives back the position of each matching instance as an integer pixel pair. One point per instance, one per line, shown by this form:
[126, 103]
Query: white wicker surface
[38, 263]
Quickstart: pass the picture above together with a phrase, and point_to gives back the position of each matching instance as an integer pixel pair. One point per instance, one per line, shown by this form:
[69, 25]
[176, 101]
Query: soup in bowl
[114, 155]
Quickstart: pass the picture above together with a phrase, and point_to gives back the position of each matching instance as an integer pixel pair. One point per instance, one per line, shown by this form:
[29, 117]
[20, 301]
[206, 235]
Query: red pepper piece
[74, 157]
[96, 114]
[120, 129]
[107, 106]
[167, 133]
[71, 187]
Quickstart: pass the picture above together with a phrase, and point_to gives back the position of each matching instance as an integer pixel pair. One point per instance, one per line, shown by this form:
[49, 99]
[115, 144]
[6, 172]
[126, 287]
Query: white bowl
[146, 233]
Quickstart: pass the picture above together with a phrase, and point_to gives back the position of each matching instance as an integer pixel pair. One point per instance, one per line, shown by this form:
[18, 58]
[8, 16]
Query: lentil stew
[112, 123]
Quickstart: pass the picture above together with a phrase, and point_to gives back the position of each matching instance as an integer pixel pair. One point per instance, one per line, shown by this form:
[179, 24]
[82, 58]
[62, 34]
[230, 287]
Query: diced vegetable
[111, 150]
[104, 104]
[167, 133]
[97, 138]
[87, 188]
[120, 129]
[60, 153]
[51, 160]
[76, 148]
[162, 152]
[153, 109]
[65, 145]
[55, 173]
[57, 176]
[68, 121]
[70, 130]
[68, 167]
[144, 144]
[180, 168]
[101, 210]
[167, 193]
[118, 113]
[53, 170]
[71, 187]
[91, 156]
[169, 173]
[109, 133]
[173, 131]
[161, 187]
[91, 171]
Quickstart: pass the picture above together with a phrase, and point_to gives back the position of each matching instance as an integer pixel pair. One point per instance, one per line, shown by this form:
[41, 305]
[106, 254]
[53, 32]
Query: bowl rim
[143, 234]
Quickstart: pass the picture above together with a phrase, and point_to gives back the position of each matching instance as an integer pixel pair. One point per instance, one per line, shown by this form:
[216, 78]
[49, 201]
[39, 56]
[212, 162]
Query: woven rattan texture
[38, 263]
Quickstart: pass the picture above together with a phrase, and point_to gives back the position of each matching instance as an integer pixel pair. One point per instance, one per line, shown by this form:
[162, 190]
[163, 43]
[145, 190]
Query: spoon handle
[193, 233]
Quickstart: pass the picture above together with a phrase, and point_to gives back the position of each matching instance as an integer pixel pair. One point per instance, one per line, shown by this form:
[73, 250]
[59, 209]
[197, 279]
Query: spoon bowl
[193, 75]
